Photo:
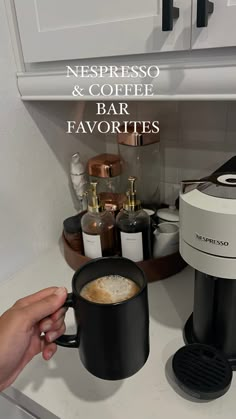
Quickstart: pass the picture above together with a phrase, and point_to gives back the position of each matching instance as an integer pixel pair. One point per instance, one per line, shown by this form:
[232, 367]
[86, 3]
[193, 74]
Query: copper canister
[106, 169]
[105, 166]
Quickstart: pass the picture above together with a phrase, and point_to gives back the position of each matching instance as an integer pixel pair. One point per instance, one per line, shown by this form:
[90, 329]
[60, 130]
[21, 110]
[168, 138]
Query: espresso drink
[109, 289]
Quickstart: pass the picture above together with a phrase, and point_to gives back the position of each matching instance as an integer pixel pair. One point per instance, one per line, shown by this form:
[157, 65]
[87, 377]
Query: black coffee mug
[113, 339]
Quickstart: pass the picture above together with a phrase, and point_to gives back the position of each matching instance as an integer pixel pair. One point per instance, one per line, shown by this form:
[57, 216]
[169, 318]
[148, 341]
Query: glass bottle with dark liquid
[98, 228]
[134, 230]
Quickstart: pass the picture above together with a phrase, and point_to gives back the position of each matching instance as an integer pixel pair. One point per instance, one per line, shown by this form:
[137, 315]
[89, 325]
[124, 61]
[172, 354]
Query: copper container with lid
[105, 166]
[106, 169]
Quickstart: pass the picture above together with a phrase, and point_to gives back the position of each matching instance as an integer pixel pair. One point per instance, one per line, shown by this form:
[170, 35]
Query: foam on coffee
[110, 289]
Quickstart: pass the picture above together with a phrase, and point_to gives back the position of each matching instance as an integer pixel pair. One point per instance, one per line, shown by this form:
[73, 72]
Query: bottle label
[132, 246]
[92, 246]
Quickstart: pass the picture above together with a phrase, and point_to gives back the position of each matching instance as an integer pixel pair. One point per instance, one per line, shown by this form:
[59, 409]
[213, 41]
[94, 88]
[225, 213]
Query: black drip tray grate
[202, 371]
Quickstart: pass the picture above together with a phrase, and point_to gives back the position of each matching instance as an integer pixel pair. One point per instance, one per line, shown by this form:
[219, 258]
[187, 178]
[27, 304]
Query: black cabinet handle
[169, 13]
[204, 9]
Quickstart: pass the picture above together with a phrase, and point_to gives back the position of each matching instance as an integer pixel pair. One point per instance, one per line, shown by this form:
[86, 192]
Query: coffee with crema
[109, 289]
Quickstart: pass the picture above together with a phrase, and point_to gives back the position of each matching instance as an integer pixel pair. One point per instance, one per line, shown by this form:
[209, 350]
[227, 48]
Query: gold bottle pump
[94, 204]
[132, 204]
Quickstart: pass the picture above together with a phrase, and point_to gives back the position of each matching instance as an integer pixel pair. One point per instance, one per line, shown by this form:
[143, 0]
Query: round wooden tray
[155, 269]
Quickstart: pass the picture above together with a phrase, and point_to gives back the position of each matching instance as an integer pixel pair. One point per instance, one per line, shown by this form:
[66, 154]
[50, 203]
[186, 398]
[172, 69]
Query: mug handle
[68, 341]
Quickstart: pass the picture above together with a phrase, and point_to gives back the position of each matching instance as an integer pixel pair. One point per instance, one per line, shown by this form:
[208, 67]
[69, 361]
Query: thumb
[45, 307]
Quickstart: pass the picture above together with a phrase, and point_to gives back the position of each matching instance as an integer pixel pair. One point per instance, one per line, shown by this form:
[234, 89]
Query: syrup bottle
[98, 227]
[134, 229]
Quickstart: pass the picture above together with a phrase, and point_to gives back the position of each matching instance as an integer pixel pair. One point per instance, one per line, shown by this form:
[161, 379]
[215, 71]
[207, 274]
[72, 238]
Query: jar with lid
[140, 153]
[106, 170]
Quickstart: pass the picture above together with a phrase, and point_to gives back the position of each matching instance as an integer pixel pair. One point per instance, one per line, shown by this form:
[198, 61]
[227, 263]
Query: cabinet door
[221, 27]
[53, 30]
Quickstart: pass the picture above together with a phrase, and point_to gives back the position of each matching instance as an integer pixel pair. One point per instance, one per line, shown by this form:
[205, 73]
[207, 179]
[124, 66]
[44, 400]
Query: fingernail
[49, 355]
[46, 327]
[51, 336]
[60, 291]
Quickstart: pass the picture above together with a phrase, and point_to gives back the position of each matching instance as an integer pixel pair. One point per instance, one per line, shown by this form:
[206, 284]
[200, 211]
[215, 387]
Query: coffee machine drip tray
[189, 339]
[202, 371]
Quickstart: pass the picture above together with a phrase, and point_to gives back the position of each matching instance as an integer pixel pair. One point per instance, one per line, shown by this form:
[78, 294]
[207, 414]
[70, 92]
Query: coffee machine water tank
[208, 244]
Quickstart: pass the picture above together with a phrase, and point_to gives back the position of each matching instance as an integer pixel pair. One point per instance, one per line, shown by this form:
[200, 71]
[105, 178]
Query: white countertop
[67, 390]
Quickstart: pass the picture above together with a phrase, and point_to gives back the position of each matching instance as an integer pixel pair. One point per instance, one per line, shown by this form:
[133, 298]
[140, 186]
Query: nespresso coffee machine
[204, 366]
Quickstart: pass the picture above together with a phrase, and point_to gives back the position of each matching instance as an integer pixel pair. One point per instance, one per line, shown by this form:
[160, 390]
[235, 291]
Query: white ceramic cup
[166, 240]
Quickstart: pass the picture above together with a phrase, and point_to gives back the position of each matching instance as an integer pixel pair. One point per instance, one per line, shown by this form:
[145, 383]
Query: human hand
[21, 327]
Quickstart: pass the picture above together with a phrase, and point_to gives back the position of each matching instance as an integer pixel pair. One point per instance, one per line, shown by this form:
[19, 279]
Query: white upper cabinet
[55, 30]
[214, 24]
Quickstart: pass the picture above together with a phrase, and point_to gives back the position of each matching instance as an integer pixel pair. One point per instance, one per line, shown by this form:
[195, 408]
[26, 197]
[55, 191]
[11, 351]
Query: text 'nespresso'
[212, 241]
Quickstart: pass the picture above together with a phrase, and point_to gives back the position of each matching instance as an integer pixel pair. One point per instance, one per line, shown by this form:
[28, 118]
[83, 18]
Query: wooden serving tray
[155, 269]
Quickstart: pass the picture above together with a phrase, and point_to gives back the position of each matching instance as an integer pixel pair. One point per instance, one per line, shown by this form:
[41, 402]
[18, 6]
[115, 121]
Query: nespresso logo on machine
[212, 241]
